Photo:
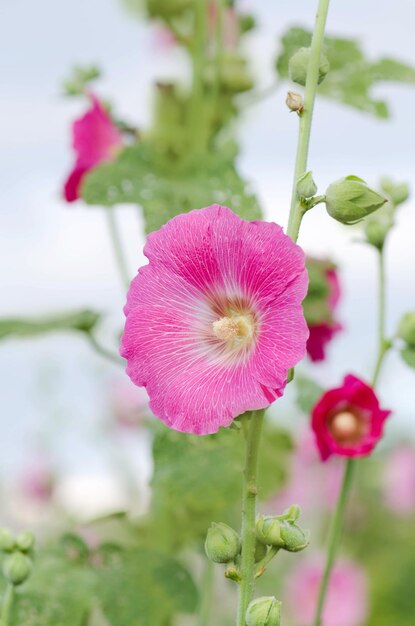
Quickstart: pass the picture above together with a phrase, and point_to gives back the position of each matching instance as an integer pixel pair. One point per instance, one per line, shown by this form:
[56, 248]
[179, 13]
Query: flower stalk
[6, 606]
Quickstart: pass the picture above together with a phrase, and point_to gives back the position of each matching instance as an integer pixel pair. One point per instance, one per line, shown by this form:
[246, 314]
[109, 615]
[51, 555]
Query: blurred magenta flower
[348, 420]
[37, 480]
[399, 481]
[95, 138]
[346, 600]
[214, 321]
[322, 330]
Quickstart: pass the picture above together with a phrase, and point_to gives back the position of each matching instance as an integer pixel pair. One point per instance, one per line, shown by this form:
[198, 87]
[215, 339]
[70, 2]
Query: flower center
[235, 330]
[347, 427]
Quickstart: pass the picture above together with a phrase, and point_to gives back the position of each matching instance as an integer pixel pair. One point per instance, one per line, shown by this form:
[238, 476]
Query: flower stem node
[265, 611]
[222, 543]
[7, 542]
[298, 66]
[294, 101]
[406, 329]
[25, 541]
[17, 568]
[349, 200]
[306, 187]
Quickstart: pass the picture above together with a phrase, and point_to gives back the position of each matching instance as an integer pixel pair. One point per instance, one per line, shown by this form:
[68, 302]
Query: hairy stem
[249, 495]
[117, 247]
[306, 117]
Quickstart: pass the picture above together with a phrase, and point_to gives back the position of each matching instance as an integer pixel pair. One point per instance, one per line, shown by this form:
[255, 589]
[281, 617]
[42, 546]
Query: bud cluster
[17, 564]
[282, 531]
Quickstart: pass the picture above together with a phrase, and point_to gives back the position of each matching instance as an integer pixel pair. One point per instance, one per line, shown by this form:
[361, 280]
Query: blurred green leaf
[408, 355]
[308, 392]
[83, 321]
[166, 187]
[351, 76]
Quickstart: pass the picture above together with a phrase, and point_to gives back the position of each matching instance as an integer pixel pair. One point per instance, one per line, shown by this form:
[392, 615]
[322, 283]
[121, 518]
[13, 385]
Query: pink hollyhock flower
[214, 321]
[322, 333]
[346, 600]
[399, 481]
[348, 420]
[95, 139]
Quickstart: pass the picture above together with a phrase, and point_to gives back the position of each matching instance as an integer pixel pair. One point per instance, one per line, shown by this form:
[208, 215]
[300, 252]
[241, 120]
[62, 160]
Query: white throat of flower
[235, 330]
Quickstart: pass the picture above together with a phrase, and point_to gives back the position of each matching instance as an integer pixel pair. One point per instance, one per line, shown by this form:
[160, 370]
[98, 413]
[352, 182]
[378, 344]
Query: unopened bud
[306, 187]
[222, 543]
[398, 193]
[268, 531]
[294, 537]
[7, 542]
[294, 101]
[17, 568]
[298, 66]
[265, 611]
[25, 541]
[406, 329]
[349, 200]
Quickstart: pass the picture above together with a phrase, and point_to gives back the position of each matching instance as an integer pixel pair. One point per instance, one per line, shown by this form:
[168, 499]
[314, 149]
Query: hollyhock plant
[320, 306]
[95, 139]
[348, 421]
[346, 602]
[214, 321]
[399, 481]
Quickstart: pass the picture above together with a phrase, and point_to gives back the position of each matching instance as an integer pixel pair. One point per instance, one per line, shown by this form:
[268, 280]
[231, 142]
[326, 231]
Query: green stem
[384, 344]
[117, 246]
[261, 566]
[198, 59]
[6, 606]
[334, 536]
[249, 495]
[219, 48]
[207, 591]
[306, 117]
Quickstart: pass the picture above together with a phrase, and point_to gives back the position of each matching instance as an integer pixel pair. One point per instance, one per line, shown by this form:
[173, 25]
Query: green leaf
[165, 187]
[143, 588]
[352, 76]
[82, 321]
[308, 393]
[408, 355]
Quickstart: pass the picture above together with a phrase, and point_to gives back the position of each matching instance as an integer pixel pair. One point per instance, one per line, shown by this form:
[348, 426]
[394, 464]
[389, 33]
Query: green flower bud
[376, 232]
[306, 187]
[349, 200]
[406, 329]
[294, 101]
[398, 193]
[25, 541]
[222, 543]
[17, 568]
[268, 531]
[298, 66]
[294, 538]
[260, 551]
[7, 542]
[265, 611]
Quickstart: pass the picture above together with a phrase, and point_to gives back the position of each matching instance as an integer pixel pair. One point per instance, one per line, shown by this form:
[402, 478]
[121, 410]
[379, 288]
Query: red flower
[95, 139]
[348, 420]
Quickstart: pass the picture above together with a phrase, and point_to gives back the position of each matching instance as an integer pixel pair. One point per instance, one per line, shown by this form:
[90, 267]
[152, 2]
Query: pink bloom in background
[348, 420]
[129, 403]
[230, 24]
[37, 480]
[322, 333]
[399, 481]
[346, 600]
[214, 321]
[95, 138]
[163, 39]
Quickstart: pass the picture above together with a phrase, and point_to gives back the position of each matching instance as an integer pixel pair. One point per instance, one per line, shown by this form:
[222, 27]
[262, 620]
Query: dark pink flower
[95, 138]
[399, 481]
[214, 321]
[348, 420]
[320, 336]
[346, 600]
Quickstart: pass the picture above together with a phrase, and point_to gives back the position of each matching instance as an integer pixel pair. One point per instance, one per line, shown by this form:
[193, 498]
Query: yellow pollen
[235, 330]
[345, 425]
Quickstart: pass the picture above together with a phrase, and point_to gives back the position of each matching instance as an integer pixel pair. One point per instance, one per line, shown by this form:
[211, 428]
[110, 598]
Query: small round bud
[17, 568]
[268, 531]
[398, 193]
[306, 187]
[7, 542]
[260, 551]
[294, 101]
[349, 200]
[294, 537]
[265, 611]
[222, 543]
[25, 541]
[376, 232]
[298, 66]
[406, 329]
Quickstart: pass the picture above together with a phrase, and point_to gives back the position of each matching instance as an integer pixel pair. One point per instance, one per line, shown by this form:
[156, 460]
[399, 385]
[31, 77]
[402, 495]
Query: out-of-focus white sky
[54, 256]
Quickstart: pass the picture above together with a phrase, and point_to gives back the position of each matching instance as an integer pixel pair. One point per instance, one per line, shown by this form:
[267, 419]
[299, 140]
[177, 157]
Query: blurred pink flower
[129, 403]
[322, 333]
[346, 600]
[399, 481]
[37, 480]
[230, 24]
[347, 420]
[214, 321]
[163, 39]
[95, 138]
